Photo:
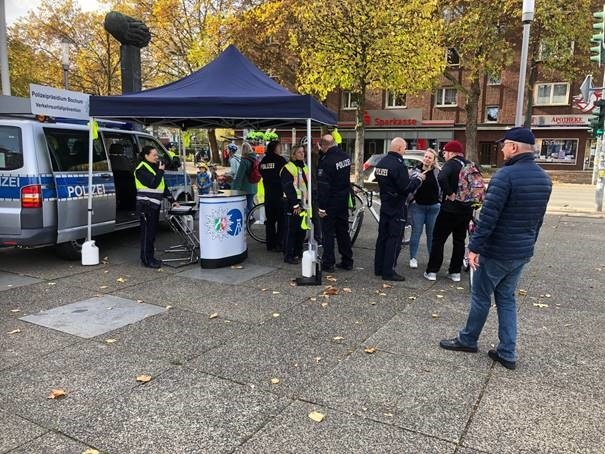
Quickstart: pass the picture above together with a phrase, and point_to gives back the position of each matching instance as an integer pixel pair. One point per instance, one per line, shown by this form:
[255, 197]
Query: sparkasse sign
[55, 102]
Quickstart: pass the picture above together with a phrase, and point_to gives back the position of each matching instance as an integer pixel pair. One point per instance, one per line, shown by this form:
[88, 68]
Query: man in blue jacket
[503, 243]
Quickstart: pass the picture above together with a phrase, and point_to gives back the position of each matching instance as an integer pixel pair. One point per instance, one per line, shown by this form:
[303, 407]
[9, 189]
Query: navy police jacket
[333, 178]
[513, 210]
[269, 168]
[394, 183]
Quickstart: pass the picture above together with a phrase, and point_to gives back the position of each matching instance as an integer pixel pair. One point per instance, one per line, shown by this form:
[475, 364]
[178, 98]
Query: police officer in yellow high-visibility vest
[151, 189]
[294, 178]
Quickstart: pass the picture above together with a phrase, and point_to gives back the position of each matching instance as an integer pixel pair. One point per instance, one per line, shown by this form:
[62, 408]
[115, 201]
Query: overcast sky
[17, 8]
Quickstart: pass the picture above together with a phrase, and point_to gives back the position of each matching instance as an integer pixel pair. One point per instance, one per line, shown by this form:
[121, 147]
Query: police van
[44, 180]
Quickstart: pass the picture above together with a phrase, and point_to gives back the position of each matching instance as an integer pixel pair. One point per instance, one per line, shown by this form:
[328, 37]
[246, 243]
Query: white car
[411, 159]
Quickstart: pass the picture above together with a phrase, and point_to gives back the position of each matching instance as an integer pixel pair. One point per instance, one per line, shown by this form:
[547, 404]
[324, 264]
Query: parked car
[411, 158]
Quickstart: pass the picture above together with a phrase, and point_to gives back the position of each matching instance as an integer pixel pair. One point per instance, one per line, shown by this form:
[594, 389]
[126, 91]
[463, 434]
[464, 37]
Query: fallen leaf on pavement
[439, 296]
[275, 381]
[347, 290]
[389, 415]
[275, 292]
[435, 315]
[411, 298]
[317, 416]
[548, 295]
[140, 301]
[387, 286]
[382, 294]
[313, 299]
[109, 308]
[213, 315]
[275, 314]
[57, 394]
[373, 303]
[370, 349]
[121, 280]
[91, 451]
[325, 304]
[522, 292]
[540, 305]
[110, 341]
[459, 288]
[103, 287]
[331, 279]
[168, 307]
[292, 284]
[237, 267]
[143, 378]
[52, 283]
[15, 331]
[338, 338]
[15, 310]
[263, 289]
[317, 359]
[331, 291]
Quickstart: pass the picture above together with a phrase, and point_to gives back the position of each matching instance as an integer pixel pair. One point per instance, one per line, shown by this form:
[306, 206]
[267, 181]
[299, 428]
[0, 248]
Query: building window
[555, 50]
[452, 57]
[394, 100]
[555, 94]
[491, 114]
[349, 100]
[494, 79]
[446, 97]
[556, 151]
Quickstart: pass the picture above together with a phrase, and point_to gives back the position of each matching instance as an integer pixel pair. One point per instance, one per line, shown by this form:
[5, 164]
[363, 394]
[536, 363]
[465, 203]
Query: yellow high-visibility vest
[300, 186]
[153, 195]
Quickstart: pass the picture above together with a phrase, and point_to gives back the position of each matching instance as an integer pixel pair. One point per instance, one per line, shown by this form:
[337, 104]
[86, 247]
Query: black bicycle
[360, 200]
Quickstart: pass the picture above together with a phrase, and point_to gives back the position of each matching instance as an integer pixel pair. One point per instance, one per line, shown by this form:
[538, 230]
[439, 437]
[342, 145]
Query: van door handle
[105, 175]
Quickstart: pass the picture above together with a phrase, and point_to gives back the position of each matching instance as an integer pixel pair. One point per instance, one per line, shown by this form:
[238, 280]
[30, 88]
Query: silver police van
[44, 180]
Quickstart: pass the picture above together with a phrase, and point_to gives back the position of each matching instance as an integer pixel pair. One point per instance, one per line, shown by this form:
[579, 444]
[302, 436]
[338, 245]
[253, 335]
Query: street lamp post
[527, 18]
[65, 43]
[4, 73]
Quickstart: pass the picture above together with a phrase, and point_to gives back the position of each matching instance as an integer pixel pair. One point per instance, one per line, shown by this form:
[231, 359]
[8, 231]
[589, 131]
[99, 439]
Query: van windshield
[11, 148]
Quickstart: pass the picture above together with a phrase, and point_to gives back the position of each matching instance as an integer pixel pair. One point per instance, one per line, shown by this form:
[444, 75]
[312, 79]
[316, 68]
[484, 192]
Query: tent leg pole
[90, 252]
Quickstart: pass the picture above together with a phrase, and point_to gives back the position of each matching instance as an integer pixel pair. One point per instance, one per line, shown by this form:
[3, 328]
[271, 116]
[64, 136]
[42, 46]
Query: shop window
[494, 79]
[394, 100]
[556, 151]
[551, 94]
[491, 114]
[349, 101]
[446, 97]
[452, 58]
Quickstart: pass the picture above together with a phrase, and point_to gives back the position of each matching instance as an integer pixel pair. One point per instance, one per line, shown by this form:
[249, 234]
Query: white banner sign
[54, 102]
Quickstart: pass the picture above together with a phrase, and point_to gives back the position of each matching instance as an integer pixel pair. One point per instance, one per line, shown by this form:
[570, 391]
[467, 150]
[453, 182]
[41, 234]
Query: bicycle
[361, 199]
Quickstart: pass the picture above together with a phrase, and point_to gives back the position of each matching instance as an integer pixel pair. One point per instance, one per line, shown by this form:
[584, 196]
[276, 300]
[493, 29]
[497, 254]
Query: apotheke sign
[392, 118]
[560, 120]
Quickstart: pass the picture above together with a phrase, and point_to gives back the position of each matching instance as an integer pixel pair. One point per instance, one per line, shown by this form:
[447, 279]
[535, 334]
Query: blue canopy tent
[229, 92]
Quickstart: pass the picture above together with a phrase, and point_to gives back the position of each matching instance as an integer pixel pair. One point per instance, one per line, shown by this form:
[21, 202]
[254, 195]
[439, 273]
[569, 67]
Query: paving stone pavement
[238, 362]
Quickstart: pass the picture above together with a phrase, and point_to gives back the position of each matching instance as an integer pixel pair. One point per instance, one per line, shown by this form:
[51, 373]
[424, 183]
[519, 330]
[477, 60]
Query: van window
[11, 148]
[69, 150]
[121, 149]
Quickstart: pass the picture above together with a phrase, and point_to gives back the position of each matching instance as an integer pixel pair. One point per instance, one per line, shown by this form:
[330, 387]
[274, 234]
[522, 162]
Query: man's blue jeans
[421, 216]
[499, 277]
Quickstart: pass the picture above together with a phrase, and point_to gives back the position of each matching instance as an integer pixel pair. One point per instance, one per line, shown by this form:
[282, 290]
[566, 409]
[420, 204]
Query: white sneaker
[413, 263]
[454, 276]
[430, 276]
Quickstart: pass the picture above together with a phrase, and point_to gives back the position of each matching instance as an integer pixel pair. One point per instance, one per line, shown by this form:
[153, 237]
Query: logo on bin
[221, 224]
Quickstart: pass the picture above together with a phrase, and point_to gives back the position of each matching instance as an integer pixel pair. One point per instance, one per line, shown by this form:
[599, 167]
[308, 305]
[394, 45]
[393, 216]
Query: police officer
[334, 189]
[270, 168]
[294, 181]
[151, 189]
[395, 185]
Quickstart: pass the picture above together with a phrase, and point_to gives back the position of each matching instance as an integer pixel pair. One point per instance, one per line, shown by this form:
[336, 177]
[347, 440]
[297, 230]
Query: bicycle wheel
[356, 214]
[255, 223]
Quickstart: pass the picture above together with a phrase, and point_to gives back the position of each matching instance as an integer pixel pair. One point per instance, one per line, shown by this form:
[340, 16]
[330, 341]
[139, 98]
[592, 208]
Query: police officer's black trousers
[388, 243]
[295, 237]
[274, 223]
[149, 214]
[336, 224]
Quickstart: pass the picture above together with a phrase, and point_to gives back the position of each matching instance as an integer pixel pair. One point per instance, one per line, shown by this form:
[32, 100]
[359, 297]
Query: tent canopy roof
[229, 92]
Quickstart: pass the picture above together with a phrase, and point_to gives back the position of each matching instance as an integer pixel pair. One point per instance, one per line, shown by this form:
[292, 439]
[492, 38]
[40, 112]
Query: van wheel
[71, 250]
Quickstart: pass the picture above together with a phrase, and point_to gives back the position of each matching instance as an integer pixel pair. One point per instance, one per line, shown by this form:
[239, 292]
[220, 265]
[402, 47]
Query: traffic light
[597, 122]
[597, 50]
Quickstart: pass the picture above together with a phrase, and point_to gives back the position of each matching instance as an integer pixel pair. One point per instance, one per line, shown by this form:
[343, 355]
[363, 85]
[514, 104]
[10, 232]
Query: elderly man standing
[503, 243]
[395, 186]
